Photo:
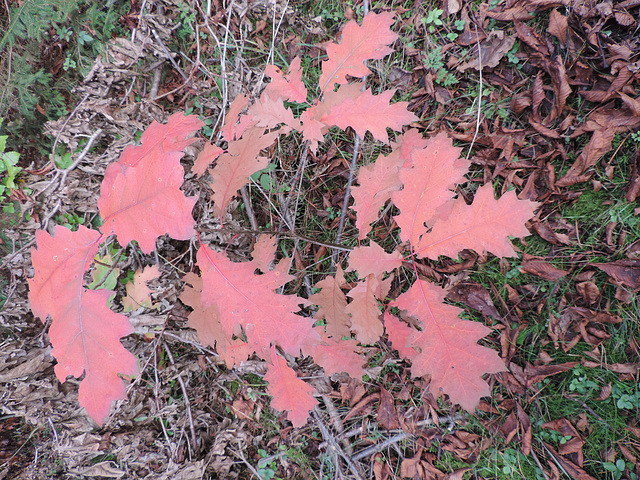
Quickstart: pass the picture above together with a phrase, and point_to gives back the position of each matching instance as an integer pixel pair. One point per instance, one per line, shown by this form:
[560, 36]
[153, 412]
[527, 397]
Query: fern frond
[32, 17]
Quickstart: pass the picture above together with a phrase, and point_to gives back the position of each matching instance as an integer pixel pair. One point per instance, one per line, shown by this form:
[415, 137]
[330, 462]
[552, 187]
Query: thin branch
[335, 446]
[475, 135]
[186, 398]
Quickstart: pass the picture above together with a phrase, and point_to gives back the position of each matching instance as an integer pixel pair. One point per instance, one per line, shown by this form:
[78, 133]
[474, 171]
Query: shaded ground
[555, 115]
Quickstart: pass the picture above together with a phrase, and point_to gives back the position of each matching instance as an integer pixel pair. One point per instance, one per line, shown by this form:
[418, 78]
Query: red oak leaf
[264, 251]
[270, 112]
[206, 321]
[376, 183]
[229, 130]
[206, 157]
[400, 335]
[448, 346]
[373, 260]
[234, 167]
[332, 302]
[406, 142]
[359, 44]
[370, 112]
[364, 310]
[288, 87]
[84, 333]
[483, 226]
[337, 356]
[428, 185]
[290, 394]
[140, 194]
[250, 301]
[313, 128]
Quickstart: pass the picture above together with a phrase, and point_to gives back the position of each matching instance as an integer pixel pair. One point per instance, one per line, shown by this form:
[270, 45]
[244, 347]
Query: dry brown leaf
[410, 467]
[558, 26]
[387, 414]
[605, 392]
[625, 272]
[535, 374]
[456, 474]
[589, 292]
[475, 296]
[491, 51]
[525, 425]
[542, 269]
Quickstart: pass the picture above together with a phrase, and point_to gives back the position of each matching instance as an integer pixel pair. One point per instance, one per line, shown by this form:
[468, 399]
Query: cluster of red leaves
[237, 309]
[141, 200]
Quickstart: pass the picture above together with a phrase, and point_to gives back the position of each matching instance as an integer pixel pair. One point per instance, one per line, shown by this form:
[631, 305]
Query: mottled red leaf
[428, 183]
[140, 197]
[447, 345]
[373, 260]
[84, 333]
[290, 394]
[483, 226]
[359, 43]
[287, 87]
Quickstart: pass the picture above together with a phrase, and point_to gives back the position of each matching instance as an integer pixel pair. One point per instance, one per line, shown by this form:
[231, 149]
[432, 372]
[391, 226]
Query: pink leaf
[234, 167]
[288, 87]
[370, 112]
[250, 301]
[333, 303]
[364, 310]
[373, 260]
[337, 356]
[449, 352]
[359, 43]
[290, 394]
[483, 226]
[140, 195]
[376, 183]
[400, 336]
[428, 185]
[229, 129]
[84, 333]
[206, 157]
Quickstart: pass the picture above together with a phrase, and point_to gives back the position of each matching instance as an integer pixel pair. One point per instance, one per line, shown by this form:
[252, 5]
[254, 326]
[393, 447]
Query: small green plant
[435, 62]
[70, 220]
[8, 173]
[267, 466]
[433, 20]
[617, 469]
[581, 383]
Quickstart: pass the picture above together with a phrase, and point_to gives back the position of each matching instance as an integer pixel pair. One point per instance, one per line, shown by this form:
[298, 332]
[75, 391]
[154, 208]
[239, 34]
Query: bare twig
[333, 445]
[64, 125]
[83, 154]
[169, 56]
[241, 456]
[157, 397]
[187, 403]
[475, 135]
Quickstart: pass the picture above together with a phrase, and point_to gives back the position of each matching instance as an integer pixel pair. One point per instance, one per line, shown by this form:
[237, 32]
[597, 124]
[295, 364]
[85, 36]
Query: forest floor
[543, 96]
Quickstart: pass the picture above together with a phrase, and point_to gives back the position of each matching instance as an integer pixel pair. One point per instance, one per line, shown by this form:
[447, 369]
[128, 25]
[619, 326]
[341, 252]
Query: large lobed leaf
[447, 348]
[250, 301]
[84, 332]
[359, 43]
[427, 185]
[140, 196]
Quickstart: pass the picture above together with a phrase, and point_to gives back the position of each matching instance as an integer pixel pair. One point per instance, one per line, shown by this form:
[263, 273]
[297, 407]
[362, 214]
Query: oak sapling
[238, 310]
